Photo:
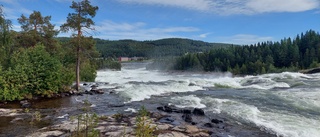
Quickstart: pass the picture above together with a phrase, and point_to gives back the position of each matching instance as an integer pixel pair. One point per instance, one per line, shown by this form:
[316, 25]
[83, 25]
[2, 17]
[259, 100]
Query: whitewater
[285, 104]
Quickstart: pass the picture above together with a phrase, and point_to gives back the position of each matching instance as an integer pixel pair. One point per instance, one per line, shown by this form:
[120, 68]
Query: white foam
[63, 116]
[279, 122]
[138, 92]
[131, 110]
[187, 101]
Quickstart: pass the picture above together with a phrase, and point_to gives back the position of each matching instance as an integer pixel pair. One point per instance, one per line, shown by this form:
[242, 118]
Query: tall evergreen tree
[35, 29]
[78, 21]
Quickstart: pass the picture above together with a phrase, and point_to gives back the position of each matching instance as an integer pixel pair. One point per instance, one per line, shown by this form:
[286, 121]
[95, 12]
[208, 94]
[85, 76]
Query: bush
[32, 72]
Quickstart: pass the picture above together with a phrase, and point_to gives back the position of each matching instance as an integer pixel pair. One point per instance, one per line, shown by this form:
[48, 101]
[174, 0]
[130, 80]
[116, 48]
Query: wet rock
[168, 109]
[310, 71]
[198, 112]
[216, 121]
[25, 104]
[97, 91]
[85, 84]
[64, 94]
[16, 119]
[117, 105]
[192, 84]
[94, 86]
[209, 125]
[3, 103]
[187, 118]
[167, 120]
[160, 108]
[186, 111]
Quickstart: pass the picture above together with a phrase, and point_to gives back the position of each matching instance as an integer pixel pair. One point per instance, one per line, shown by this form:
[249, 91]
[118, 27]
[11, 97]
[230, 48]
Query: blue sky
[226, 21]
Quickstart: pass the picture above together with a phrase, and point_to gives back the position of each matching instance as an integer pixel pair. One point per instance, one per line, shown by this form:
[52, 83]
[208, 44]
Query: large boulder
[187, 118]
[198, 112]
[311, 71]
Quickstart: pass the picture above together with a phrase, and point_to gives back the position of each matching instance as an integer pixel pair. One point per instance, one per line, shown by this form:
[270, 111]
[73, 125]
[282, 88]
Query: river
[285, 104]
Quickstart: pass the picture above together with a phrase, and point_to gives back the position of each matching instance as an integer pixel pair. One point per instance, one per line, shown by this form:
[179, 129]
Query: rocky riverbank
[167, 121]
[125, 125]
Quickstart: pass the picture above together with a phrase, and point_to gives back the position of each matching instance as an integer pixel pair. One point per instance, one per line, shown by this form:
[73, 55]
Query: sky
[222, 21]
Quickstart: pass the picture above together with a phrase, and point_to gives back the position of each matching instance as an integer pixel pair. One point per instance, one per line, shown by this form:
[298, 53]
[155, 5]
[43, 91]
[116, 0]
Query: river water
[285, 104]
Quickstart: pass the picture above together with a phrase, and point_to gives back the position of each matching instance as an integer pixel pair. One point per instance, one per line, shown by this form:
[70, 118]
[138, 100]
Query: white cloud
[282, 6]
[138, 31]
[201, 5]
[244, 39]
[228, 7]
[204, 35]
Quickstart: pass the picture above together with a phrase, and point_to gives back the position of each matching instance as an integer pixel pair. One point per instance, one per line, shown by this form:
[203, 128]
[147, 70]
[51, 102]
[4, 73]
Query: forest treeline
[288, 54]
[34, 63]
[153, 49]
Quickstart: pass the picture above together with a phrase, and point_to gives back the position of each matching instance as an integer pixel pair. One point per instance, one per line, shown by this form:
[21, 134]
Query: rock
[179, 128]
[168, 109]
[160, 108]
[47, 134]
[16, 119]
[167, 120]
[97, 91]
[201, 134]
[117, 105]
[209, 125]
[114, 134]
[187, 118]
[311, 71]
[3, 103]
[25, 104]
[186, 111]
[192, 129]
[163, 127]
[94, 86]
[198, 112]
[192, 84]
[216, 121]
[85, 84]
[172, 134]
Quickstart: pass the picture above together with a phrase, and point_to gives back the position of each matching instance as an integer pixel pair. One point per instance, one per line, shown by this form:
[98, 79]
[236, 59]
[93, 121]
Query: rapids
[286, 104]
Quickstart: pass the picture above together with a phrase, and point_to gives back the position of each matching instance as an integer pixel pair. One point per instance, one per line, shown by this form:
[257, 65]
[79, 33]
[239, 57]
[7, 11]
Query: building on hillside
[123, 59]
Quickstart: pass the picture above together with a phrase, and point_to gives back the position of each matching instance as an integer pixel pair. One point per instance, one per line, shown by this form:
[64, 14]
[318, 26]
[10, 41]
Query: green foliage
[108, 63]
[153, 49]
[143, 124]
[86, 122]
[33, 71]
[266, 57]
[76, 22]
[36, 29]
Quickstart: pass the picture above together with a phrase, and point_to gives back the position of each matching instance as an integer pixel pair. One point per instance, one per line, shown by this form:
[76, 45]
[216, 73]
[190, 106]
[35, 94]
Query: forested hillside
[302, 52]
[153, 49]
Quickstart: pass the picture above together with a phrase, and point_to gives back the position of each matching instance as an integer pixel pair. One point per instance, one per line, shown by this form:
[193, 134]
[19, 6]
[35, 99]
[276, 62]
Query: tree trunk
[78, 68]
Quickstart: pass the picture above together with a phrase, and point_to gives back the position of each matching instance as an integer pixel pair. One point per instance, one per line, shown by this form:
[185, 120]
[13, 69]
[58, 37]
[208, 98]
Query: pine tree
[78, 21]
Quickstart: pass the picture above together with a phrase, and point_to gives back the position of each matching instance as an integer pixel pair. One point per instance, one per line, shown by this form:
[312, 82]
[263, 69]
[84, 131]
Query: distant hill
[154, 48]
